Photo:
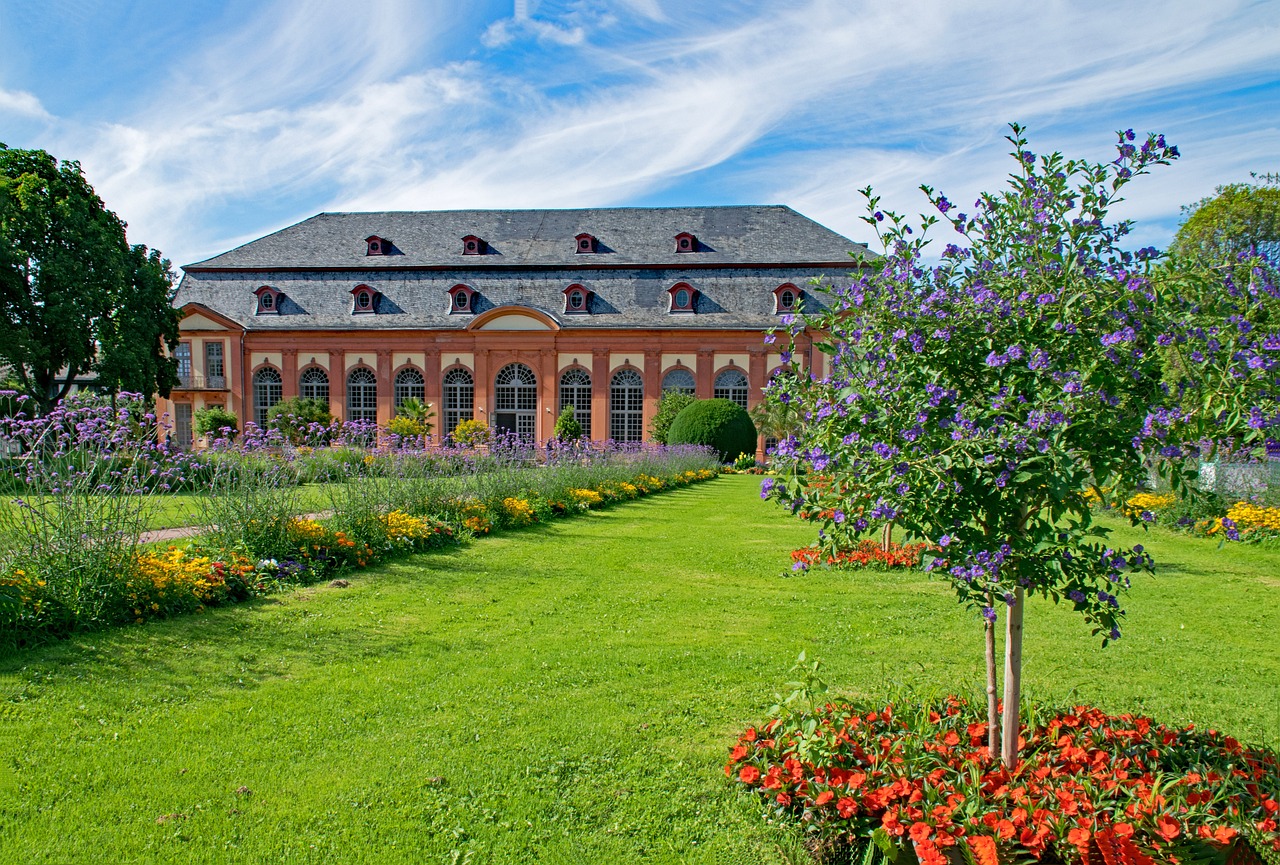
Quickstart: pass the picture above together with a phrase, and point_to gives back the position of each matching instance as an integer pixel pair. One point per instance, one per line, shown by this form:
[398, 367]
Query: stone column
[433, 390]
[702, 376]
[600, 393]
[652, 387]
[757, 378]
[484, 387]
[289, 371]
[548, 385]
[386, 387]
[338, 385]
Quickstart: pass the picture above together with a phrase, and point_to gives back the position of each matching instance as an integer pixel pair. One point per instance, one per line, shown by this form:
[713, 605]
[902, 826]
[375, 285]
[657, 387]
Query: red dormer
[786, 298]
[462, 299]
[364, 300]
[577, 299]
[377, 245]
[586, 243]
[682, 297]
[686, 242]
[472, 245]
[268, 300]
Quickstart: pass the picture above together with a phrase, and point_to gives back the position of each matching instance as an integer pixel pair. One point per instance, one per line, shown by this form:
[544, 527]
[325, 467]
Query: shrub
[211, 421]
[471, 433]
[407, 427]
[567, 427]
[716, 423]
[670, 404]
[294, 418]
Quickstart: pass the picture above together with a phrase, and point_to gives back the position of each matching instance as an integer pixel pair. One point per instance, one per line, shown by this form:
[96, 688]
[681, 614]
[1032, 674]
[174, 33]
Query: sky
[205, 125]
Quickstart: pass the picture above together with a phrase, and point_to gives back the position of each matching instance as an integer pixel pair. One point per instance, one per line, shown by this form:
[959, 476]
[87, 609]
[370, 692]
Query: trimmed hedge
[717, 423]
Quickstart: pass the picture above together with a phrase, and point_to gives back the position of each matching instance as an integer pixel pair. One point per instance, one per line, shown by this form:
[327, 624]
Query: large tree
[1222, 226]
[980, 400]
[74, 296]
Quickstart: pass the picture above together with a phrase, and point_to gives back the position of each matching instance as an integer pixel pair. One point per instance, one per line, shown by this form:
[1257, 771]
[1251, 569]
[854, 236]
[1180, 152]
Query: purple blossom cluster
[979, 398]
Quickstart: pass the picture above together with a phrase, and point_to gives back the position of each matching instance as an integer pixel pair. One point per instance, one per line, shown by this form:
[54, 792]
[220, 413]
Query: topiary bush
[717, 423]
[567, 427]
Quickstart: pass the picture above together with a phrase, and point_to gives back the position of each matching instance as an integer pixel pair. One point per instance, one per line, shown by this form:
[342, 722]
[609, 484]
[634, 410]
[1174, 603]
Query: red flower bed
[868, 553]
[1091, 788]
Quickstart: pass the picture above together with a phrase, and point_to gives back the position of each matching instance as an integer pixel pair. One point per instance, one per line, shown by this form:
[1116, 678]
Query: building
[502, 315]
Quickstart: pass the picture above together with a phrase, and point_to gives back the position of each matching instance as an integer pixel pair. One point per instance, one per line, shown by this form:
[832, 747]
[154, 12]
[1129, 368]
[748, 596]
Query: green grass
[562, 694]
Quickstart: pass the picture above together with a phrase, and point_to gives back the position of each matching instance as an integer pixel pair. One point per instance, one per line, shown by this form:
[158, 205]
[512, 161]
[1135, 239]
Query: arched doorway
[515, 391]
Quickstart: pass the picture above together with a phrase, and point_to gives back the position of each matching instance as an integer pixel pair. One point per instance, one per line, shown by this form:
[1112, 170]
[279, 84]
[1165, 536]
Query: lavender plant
[84, 482]
[974, 401]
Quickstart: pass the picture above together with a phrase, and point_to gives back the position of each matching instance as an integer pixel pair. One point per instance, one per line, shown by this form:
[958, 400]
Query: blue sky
[207, 124]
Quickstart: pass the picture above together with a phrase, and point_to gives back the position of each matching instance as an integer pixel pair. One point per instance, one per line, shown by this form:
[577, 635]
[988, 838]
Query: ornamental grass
[914, 782]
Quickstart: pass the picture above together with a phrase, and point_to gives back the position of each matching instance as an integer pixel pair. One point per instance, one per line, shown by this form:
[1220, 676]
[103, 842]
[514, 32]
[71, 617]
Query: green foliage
[471, 433]
[670, 404]
[721, 424]
[213, 420]
[774, 418]
[567, 427]
[416, 411]
[73, 294]
[694, 657]
[298, 418]
[1218, 228]
[142, 325]
[407, 427]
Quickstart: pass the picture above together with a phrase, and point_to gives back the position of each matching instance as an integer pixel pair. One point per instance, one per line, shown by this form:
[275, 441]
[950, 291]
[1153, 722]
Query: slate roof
[628, 236]
[744, 254]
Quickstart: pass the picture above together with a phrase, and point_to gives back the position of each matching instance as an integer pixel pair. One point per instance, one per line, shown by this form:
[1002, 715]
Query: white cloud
[23, 104]
[329, 106]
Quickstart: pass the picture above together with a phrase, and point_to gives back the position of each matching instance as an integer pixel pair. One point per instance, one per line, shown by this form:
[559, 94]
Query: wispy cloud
[23, 104]
[397, 104]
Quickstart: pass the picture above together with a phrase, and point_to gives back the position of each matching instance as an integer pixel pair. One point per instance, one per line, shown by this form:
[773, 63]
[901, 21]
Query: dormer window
[686, 242]
[576, 300]
[363, 300]
[461, 299]
[472, 245]
[683, 297]
[586, 243]
[377, 245]
[786, 298]
[268, 300]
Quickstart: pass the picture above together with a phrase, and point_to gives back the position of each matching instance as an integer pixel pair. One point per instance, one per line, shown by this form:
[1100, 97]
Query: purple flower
[766, 486]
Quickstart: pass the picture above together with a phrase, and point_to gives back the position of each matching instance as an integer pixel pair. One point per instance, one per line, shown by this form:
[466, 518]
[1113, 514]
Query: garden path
[177, 533]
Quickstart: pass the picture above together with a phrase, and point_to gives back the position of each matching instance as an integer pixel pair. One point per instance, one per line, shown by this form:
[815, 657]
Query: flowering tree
[977, 402]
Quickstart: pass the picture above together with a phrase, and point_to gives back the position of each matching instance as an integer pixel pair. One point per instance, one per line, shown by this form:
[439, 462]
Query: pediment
[513, 318]
[199, 322]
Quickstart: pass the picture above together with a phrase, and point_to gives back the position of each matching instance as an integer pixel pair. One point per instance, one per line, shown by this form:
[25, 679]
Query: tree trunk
[993, 702]
[1012, 680]
[886, 537]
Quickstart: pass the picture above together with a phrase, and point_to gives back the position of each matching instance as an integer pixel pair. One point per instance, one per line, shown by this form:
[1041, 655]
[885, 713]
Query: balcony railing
[202, 382]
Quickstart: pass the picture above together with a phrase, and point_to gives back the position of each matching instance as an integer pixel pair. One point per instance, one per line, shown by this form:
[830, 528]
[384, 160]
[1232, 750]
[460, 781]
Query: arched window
[515, 400]
[267, 388]
[459, 398]
[679, 380]
[575, 390]
[409, 385]
[626, 406]
[362, 395]
[314, 384]
[731, 384]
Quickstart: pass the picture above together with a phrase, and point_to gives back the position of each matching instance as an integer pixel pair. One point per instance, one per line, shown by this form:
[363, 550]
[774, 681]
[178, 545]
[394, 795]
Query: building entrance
[516, 401]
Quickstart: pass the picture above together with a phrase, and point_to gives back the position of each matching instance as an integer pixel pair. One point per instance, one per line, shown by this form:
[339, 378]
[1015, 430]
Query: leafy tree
[978, 400]
[73, 295]
[670, 404]
[136, 332]
[774, 418]
[214, 420]
[297, 419]
[1222, 226]
[567, 427]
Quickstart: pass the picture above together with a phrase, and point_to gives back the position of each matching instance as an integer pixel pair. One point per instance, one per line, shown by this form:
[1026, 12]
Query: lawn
[561, 694]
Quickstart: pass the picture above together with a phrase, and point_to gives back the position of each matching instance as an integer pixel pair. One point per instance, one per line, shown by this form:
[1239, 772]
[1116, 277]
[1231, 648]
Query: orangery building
[506, 316]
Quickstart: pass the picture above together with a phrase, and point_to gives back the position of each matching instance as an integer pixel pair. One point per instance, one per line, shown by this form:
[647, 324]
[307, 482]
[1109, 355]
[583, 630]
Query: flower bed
[178, 580]
[1090, 789]
[868, 554]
